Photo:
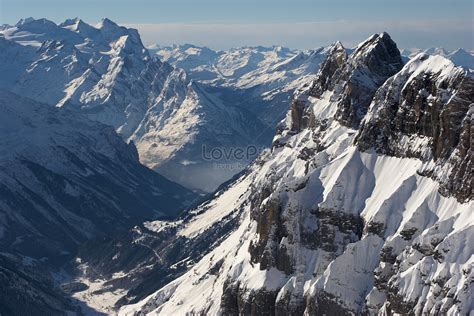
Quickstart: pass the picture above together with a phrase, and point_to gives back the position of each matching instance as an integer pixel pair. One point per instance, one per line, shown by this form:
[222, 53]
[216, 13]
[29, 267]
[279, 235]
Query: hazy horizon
[298, 24]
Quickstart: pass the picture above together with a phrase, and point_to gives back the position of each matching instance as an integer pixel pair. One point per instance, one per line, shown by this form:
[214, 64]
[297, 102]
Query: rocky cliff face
[357, 77]
[341, 217]
[425, 112]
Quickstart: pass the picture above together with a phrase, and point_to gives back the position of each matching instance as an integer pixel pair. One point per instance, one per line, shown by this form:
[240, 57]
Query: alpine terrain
[263, 78]
[363, 205]
[181, 180]
[174, 121]
[65, 179]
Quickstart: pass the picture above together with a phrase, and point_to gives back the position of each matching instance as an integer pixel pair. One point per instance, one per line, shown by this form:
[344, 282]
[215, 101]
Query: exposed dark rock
[432, 108]
[326, 304]
[290, 304]
[397, 304]
[298, 118]
[238, 301]
[229, 299]
[307, 153]
[369, 66]
[386, 255]
[332, 222]
[27, 290]
[407, 234]
[327, 79]
[375, 228]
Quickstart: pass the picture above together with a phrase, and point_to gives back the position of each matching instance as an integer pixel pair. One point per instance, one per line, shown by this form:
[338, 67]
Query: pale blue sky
[294, 23]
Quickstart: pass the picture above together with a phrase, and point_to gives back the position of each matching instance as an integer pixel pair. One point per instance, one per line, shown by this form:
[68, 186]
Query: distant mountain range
[357, 198]
[106, 72]
[224, 99]
[459, 56]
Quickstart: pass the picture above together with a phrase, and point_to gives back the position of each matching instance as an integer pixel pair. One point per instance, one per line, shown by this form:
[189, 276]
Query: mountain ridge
[362, 204]
[326, 227]
[107, 73]
[65, 179]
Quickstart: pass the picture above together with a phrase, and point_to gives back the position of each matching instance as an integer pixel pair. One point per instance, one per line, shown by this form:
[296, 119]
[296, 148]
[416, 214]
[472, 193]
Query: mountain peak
[336, 46]
[336, 57]
[23, 21]
[106, 24]
[373, 42]
[436, 51]
[75, 23]
[361, 73]
[459, 51]
[384, 35]
[111, 31]
[79, 26]
[31, 23]
[379, 53]
[72, 21]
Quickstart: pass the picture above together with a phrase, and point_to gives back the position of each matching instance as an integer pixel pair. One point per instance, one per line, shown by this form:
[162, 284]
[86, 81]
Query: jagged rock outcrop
[425, 112]
[357, 77]
[335, 227]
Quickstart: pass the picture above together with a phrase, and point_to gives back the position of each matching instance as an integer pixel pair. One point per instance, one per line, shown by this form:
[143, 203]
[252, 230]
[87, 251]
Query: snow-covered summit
[343, 218]
[267, 76]
[459, 57]
[107, 73]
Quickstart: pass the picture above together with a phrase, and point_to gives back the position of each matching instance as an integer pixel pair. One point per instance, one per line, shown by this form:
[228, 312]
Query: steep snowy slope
[360, 207]
[127, 268]
[106, 72]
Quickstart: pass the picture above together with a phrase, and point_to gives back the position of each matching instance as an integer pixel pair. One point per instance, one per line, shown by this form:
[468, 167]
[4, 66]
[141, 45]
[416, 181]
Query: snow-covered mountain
[265, 76]
[65, 179]
[459, 57]
[51, 160]
[243, 67]
[363, 205]
[107, 73]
